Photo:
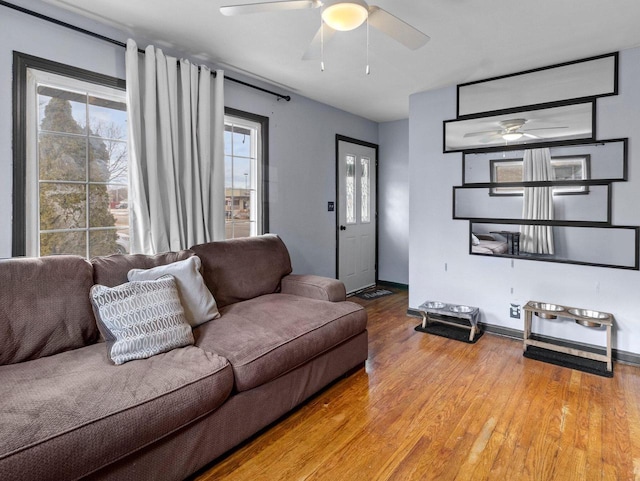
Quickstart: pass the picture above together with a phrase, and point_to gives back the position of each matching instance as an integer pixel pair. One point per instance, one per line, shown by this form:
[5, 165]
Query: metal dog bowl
[543, 306]
[464, 309]
[589, 318]
[434, 305]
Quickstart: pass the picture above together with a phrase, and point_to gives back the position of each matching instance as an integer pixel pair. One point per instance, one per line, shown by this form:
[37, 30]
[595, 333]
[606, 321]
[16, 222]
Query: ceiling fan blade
[545, 128]
[230, 10]
[490, 138]
[483, 132]
[397, 29]
[531, 136]
[313, 51]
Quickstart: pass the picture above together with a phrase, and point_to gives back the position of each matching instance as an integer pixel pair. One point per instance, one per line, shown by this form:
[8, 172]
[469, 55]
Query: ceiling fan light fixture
[512, 136]
[345, 16]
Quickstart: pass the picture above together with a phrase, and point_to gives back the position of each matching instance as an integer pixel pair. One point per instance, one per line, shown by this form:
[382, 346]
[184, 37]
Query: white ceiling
[470, 40]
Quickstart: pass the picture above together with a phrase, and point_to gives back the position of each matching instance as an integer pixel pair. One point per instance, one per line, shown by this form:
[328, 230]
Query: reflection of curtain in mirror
[537, 202]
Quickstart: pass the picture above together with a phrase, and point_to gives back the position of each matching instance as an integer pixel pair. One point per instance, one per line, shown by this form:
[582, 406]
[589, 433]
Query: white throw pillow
[140, 319]
[474, 240]
[199, 305]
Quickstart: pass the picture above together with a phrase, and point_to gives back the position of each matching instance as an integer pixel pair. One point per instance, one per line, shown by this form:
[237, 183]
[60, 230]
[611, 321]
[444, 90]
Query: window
[569, 168]
[365, 181]
[245, 140]
[351, 189]
[72, 194]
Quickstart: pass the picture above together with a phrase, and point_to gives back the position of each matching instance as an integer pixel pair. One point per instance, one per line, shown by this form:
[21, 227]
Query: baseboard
[397, 285]
[618, 355]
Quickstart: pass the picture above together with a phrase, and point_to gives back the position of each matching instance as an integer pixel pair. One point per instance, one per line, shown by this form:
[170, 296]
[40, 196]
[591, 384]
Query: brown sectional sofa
[67, 412]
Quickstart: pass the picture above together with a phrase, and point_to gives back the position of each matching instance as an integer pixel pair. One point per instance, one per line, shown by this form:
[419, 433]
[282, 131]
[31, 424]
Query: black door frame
[377, 149]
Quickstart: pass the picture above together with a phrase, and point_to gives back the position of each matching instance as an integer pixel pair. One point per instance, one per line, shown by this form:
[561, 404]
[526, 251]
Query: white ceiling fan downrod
[367, 70]
[323, 22]
[321, 44]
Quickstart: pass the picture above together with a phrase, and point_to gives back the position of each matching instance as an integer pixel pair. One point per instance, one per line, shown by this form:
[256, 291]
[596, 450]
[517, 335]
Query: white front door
[356, 215]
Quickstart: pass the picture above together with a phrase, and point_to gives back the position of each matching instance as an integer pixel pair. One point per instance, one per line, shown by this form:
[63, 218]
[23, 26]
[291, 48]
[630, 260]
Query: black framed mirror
[603, 160]
[539, 126]
[580, 79]
[601, 246]
[474, 203]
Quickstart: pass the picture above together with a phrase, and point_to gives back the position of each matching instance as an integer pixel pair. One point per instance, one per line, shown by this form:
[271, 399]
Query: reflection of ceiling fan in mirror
[510, 130]
[340, 15]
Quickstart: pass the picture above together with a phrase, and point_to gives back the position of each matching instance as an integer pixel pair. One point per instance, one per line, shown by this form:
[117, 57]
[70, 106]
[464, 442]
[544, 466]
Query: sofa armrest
[486, 237]
[314, 287]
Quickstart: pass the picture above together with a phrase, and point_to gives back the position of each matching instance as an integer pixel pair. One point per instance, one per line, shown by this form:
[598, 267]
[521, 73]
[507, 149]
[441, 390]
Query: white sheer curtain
[176, 155]
[537, 202]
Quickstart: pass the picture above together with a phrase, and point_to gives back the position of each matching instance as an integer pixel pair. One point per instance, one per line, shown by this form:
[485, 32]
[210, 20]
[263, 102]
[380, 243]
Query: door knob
[342, 227]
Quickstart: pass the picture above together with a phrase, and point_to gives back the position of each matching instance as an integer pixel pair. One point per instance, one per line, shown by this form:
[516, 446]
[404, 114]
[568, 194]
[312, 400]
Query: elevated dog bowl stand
[450, 314]
[532, 307]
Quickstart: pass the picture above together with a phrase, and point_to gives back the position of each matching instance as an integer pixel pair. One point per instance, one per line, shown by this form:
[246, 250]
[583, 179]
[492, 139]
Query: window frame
[556, 162]
[21, 63]
[262, 164]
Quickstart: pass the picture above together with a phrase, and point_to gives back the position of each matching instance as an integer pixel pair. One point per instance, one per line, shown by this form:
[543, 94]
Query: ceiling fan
[510, 130]
[340, 15]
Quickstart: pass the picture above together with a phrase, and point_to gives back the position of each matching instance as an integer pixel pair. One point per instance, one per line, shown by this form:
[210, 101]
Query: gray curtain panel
[176, 154]
[537, 202]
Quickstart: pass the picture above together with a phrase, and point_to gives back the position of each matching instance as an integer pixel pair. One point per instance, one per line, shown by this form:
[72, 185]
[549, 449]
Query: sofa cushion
[44, 307]
[112, 270]
[67, 415]
[197, 301]
[140, 319]
[268, 336]
[240, 269]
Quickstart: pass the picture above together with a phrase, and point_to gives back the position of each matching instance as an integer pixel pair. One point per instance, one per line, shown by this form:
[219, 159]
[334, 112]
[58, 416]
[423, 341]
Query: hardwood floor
[430, 408]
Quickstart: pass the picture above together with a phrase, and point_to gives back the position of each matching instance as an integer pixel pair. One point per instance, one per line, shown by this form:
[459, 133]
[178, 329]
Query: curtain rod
[124, 45]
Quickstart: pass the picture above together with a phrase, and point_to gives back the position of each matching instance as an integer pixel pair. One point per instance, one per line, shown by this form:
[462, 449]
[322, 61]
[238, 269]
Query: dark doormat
[567, 360]
[373, 294]
[450, 332]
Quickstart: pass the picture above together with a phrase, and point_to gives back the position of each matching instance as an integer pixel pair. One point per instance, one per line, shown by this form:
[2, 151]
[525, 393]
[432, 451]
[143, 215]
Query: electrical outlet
[514, 311]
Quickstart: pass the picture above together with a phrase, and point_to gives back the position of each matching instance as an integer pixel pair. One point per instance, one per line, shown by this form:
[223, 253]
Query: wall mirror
[602, 160]
[536, 203]
[540, 126]
[581, 79]
[608, 246]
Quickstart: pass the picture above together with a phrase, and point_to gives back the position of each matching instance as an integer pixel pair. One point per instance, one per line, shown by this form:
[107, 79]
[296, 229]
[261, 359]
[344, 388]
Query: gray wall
[393, 202]
[436, 241]
[302, 133]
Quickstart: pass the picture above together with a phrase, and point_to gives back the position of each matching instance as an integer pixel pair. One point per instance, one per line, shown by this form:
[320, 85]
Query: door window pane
[365, 182]
[351, 189]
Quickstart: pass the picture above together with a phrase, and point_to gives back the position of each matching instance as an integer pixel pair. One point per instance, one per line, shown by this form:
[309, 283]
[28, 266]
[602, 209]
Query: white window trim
[256, 172]
[37, 77]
